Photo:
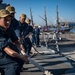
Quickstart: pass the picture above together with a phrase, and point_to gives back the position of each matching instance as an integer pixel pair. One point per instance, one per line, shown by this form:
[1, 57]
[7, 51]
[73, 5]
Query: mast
[57, 21]
[31, 17]
[45, 17]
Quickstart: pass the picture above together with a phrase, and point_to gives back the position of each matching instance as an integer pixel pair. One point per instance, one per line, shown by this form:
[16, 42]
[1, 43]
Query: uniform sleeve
[37, 31]
[31, 29]
[17, 29]
[3, 43]
[26, 30]
[13, 35]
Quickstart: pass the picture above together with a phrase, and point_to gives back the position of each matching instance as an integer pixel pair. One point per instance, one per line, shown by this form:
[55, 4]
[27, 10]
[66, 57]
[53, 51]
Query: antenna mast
[57, 17]
[45, 17]
[31, 17]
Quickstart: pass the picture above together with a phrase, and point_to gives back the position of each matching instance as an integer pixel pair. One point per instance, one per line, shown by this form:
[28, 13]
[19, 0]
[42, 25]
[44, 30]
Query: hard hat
[11, 9]
[28, 20]
[4, 13]
[23, 16]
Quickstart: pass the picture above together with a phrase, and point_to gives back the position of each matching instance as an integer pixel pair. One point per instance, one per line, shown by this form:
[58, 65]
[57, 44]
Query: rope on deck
[46, 72]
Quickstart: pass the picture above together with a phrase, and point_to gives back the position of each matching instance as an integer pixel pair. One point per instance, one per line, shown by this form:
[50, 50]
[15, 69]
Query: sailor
[15, 26]
[24, 29]
[9, 57]
[37, 33]
[14, 22]
[28, 21]
[33, 36]
[30, 32]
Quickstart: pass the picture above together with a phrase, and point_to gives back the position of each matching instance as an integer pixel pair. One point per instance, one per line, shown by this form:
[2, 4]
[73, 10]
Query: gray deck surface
[54, 63]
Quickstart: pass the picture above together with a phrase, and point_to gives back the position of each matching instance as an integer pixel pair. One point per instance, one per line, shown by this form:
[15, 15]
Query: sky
[66, 9]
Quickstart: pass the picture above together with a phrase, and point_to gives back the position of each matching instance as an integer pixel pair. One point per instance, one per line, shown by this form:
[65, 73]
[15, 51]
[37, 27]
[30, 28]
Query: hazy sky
[66, 9]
